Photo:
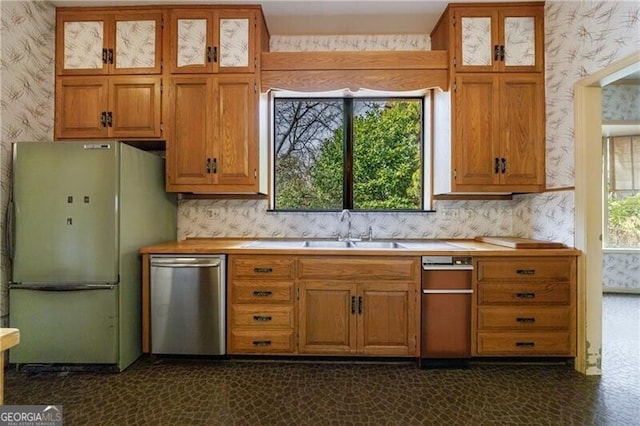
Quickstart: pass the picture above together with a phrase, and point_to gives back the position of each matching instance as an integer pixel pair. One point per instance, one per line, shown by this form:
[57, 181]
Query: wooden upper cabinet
[499, 39]
[98, 42]
[212, 130]
[492, 37]
[498, 138]
[212, 40]
[104, 107]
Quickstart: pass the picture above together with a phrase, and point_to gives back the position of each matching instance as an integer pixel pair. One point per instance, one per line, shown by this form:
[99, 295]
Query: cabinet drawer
[557, 343]
[524, 318]
[262, 316]
[261, 292]
[260, 341]
[262, 267]
[528, 294]
[358, 268]
[526, 269]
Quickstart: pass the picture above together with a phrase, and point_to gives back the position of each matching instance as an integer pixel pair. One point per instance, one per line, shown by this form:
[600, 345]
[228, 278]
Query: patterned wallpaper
[27, 38]
[349, 42]
[621, 102]
[621, 271]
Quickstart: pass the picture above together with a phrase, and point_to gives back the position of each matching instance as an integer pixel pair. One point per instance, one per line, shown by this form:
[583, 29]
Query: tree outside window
[355, 153]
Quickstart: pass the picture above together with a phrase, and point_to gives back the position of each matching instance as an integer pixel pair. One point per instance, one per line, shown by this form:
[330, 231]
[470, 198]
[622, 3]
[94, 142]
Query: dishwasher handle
[185, 262]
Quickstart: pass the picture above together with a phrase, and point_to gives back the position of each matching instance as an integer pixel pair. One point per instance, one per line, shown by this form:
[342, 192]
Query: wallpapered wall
[27, 40]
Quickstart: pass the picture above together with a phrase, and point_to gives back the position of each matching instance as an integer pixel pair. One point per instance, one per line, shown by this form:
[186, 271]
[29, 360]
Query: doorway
[589, 208]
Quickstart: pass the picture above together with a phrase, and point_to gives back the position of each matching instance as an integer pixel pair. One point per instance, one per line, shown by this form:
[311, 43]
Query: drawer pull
[526, 320]
[263, 293]
[525, 344]
[526, 295]
[261, 343]
[525, 271]
[263, 270]
[262, 317]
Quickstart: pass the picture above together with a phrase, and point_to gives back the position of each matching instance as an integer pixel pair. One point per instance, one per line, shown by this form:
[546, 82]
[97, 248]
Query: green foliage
[624, 222]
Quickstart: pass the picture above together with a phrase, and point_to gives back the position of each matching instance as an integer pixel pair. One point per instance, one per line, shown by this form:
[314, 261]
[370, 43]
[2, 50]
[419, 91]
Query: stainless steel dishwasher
[188, 304]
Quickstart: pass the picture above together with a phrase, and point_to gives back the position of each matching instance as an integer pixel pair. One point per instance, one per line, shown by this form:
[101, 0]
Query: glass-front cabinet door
[206, 41]
[499, 39]
[90, 43]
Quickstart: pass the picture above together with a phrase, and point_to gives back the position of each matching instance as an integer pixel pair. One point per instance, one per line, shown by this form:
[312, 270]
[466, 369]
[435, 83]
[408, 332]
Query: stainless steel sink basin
[327, 244]
[276, 244]
[378, 244]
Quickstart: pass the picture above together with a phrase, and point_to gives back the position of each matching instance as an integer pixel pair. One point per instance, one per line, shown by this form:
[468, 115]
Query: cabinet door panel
[237, 37]
[476, 139]
[135, 106]
[327, 318]
[189, 146]
[521, 129]
[192, 39]
[386, 319]
[80, 40]
[138, 43]
[521, 34]
[475, 39]
[80, 104]
[235, 150]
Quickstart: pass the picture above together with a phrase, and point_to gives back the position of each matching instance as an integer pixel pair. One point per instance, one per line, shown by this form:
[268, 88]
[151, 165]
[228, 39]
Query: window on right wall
[622, 204]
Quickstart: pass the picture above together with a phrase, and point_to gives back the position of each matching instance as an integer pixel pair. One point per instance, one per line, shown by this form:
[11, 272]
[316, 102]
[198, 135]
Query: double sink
[412, 245]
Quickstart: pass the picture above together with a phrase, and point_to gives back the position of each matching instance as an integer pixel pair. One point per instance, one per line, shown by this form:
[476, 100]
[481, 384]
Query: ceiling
[323, 17]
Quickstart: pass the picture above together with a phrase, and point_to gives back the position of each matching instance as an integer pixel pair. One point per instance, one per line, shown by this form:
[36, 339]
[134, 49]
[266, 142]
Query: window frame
[424, 96]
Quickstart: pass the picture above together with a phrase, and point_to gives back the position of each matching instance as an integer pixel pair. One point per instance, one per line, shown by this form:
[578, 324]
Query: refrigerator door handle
[61, 287]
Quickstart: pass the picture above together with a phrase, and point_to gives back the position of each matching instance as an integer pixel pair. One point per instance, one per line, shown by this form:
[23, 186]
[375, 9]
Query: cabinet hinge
[455, 173]
[255, 88]
[161, 65]
[161, 127]
[453, 20]
[298, 293]
[455, 61]
[161, 85]
[455, 87]
[162, 23]
[255, 173]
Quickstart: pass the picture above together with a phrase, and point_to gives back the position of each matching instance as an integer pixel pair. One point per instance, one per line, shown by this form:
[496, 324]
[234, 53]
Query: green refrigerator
[79, 212]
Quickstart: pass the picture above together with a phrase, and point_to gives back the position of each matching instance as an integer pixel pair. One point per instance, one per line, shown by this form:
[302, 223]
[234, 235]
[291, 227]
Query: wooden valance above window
[325, 71]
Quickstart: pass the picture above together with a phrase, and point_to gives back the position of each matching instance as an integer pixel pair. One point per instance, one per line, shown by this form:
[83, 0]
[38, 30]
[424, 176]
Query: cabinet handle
[105, 56]
[215, 54]
[208, 165]
[208, 53]
[262, 293]
[525, 271]
[109, 119]
[503, 165]
[214, 166]
[103, 119]
[359, 304]
[526, 295]
[526, 320]
[496, 52]
[353, 304]
[110, 56]
[525, 344]
[263, 270]
[261, 343]
[497, 165]
[502, 53]
[262, 317]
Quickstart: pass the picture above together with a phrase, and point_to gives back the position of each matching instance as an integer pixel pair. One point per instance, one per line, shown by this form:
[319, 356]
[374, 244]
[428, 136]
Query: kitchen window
[349, 152]
[622, 213]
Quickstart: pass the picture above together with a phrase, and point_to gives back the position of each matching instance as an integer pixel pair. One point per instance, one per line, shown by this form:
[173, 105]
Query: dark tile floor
[165, 391]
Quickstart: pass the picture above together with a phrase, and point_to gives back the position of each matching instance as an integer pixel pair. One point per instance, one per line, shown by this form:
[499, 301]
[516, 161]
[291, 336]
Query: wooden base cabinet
[526, 306]
[357, 306]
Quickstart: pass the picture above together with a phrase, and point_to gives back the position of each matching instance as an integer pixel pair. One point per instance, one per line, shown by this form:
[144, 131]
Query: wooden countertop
[9, 337]
[239, 246]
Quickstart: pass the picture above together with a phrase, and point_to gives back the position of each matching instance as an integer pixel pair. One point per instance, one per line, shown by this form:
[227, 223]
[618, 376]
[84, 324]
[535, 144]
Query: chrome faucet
[346, 213]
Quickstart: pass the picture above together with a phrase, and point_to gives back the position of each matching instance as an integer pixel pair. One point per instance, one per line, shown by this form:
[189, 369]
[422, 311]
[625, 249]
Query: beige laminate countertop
[238, 246]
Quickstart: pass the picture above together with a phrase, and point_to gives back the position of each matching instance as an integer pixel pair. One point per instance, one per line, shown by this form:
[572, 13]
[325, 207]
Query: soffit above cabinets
[326, 17]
